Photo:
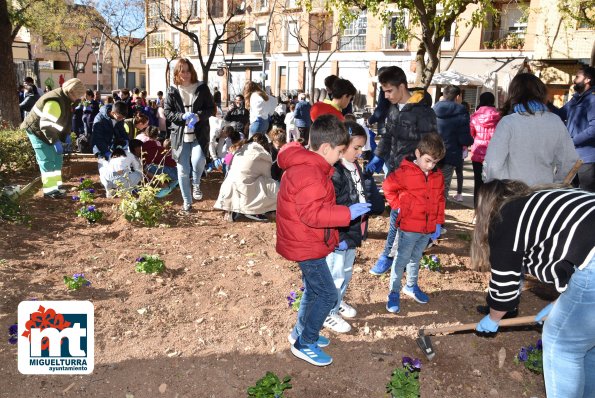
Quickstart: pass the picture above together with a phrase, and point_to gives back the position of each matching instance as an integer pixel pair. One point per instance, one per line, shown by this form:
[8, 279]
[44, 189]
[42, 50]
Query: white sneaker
[337, 324]
[346, 310]
[196, 192]
[459, 197]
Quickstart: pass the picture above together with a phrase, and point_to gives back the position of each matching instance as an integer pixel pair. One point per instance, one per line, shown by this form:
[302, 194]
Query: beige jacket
[248, 187]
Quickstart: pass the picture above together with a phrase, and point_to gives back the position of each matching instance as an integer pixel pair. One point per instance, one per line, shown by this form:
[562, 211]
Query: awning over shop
[492, 71]
[455, 78]
[556, 71]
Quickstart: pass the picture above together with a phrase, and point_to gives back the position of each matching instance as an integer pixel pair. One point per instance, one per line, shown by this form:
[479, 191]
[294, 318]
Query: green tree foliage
[430, 18]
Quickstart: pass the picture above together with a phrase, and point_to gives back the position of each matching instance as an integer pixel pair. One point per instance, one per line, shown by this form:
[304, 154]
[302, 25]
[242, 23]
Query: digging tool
[570, 176]
[424, 342]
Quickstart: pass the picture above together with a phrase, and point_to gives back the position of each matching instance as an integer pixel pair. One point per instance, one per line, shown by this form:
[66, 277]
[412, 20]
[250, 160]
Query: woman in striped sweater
[548, 234]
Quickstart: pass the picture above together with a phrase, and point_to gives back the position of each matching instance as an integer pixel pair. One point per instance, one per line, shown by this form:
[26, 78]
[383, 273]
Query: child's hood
[487, 116]
[294, 154]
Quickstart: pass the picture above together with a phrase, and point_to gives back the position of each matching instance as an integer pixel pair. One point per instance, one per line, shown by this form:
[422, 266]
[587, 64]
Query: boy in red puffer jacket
[307, 221]
[418, 191]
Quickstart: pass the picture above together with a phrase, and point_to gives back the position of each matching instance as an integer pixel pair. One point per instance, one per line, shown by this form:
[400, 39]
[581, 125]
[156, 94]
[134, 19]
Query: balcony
[503, 39]
[236, 48]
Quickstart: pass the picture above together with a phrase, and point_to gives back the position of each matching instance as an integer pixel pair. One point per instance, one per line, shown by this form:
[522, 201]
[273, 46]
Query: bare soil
[217, 320]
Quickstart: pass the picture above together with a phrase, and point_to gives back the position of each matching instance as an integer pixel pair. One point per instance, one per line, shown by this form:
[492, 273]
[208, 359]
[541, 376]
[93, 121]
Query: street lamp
[96, 45]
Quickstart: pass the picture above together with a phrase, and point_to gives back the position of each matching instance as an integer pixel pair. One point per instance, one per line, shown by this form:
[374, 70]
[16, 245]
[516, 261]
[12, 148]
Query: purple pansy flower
[91, 208]
[523, 355]
[539, 345]
[435, 258]
[75, 198]
[13, 339]
[91, 190]
[82, 179]
[140, 259]
[13, 329]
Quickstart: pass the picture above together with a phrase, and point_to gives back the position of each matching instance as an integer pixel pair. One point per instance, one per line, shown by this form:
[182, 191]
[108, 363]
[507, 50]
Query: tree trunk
[205, 74]
[126, 80]
[9, 100]
[593, 54]
[312, 85]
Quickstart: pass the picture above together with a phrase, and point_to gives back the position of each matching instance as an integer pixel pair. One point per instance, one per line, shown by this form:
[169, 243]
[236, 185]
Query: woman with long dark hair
[188, 106]
[530, 144]
[548, 234]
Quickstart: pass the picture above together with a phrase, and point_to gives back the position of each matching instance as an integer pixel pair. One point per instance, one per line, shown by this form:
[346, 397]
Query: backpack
[83, 143]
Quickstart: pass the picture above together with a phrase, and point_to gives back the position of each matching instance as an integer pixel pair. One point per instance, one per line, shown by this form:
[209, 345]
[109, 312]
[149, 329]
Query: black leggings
[478, 181]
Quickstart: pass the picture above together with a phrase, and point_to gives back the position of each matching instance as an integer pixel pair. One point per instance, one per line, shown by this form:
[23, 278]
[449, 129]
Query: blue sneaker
[416, 293]
[311, 353]
[382, 265]
[394, 303]
[321, 342]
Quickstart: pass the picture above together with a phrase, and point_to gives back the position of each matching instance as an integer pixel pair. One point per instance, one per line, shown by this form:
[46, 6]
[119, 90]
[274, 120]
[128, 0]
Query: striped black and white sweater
[548, 234]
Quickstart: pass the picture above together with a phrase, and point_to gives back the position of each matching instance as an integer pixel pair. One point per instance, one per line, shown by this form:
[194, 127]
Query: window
[175, 41]
[586, 16]
[80, 67]
[321, 32]
[448, 41]
[291, 41]
[215, 8]
[354, 35]
[391, 38]
[143, 81]
[192, 47]
[255, 45]
[95, 67]
[156, 45]
[143, 59]
[213, 30]
[235, 40]
[152, 14]
[175, 10]
[262, 5]
[194, 9]
[292, 4]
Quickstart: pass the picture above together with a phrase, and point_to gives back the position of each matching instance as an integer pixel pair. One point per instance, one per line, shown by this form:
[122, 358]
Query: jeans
[304, 133]
[319, 297]
[477, 181]
[586, 177]
[459, 172]
[569, 339]
[411, 248]
[191, 160]
[260, 125]
[392, 233]
[447, 170]
[340, 263]
[172, 172]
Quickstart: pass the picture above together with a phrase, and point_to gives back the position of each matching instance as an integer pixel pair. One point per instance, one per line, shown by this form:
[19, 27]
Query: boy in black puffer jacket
[351, 186]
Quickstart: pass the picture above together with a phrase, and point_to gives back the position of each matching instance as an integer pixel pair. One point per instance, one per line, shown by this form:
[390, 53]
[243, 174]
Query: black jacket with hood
[405, 127]
[203, 105]
[454, 128]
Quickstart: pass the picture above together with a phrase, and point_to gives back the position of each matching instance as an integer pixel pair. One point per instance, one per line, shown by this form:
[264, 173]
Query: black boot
[485, 310]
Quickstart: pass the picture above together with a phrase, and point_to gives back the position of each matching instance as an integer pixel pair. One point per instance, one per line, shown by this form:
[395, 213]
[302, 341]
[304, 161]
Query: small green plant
[295, 298]
[431, 263]
[85, 196]
[76, 281]
[149, 264]
[90, 213]
[16, 153]
[270, 386]
[141, 205]
[464, 236]
[531, 357]
[404, 382]
[85, 183]
[11, 210]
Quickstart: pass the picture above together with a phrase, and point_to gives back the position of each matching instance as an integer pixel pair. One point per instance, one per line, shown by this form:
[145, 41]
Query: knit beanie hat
[74, 87]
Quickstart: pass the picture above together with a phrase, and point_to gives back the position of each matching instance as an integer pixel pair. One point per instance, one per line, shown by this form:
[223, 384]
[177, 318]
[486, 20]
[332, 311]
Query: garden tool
[570, 176]
[424, 342]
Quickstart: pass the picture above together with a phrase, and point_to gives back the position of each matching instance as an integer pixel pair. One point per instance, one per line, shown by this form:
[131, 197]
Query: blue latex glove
[187, 115]
[107, 155]
[358, 209]
[436, 234]
[58, 147]
[68, 139]
[342, 246]
[543, 313]
[487, 325]
[192, 121]
[375, 165]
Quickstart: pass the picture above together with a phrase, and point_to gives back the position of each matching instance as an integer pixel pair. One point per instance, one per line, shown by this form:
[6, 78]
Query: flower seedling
[431, 263]
[404, 382]
[270, 386]
[149, 264]
[85, 183]
[85, 196]
[13, 331]
[76, 281]
[90, 213]
[531, 357]
[295, 298]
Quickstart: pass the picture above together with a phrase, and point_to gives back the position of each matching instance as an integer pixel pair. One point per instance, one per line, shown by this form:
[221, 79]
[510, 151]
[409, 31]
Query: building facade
[296, 43]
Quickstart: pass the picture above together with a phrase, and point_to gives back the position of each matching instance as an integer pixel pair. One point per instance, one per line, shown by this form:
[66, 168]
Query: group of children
[322, 213]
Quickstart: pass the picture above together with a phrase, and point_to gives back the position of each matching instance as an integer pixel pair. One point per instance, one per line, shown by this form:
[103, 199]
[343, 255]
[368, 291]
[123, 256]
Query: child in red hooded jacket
[307, 221]
[417, 190]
